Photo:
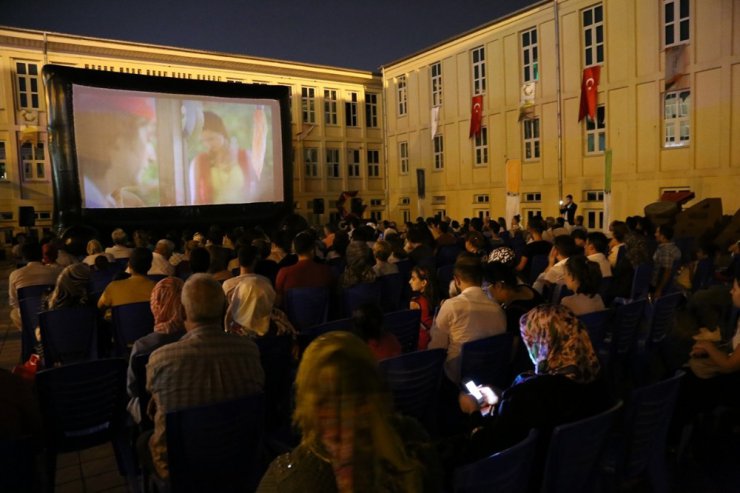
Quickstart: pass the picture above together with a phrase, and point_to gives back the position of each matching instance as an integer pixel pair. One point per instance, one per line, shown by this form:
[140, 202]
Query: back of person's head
[476, 223]
[494, 226]
[119, 237]
[304, 243]
[537, 224]
[283, 239]
[219, 259]
[619, 230]
[586, 272]
[102, 263]
[415, 235]
[382, 250]
[140, 260]
[444, 226]
[666, 230]
[93, 247]
[248, 256]
[263, 246]
[579, 220]
[599, 241]
[200, 260]
[560, 222]
[631, 222]
[164, 247]
[565, 245]
[215, 235]
[203, 299]
[578, 234]
[497, 272]
[476, 239]
[469, 269]
[367, 321]
[141, 238]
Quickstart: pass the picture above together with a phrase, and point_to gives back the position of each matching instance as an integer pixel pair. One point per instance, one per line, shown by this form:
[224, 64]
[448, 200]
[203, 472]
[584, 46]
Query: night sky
[362, 34]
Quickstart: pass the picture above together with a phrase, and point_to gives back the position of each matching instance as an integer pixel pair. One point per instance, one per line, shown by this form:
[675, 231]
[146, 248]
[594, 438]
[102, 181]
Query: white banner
[512, 206]
[435, 120]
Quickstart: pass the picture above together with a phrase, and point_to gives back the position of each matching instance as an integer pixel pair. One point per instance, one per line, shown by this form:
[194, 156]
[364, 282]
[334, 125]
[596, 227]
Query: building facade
[667, 115]
[336, 116]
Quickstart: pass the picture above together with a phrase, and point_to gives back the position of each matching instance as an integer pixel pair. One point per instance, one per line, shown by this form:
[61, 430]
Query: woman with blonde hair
[95, 249]
[352, 441]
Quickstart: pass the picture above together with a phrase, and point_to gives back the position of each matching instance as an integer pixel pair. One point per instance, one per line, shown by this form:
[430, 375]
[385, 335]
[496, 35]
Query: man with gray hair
[161, 259]
[206, 366]
[119, 248]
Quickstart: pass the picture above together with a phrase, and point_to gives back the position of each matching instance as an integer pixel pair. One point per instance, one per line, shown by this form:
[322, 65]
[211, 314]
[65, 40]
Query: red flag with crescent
[589, 91]
[476, 115]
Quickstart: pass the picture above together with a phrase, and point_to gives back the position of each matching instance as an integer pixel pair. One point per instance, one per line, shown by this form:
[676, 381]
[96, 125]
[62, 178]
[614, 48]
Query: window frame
[311, 166]
[403, 157]
[371, 110]
[480, 148]
[351, 112]
[675, 123]
[24, 84]
[435, 79]
[534, 143]
[591, 30]
[373, 165]
[438, 147]
[593, 218]
[331, 112]
[478, 70]
[596, 131]
[530, 56]
[308, 104]
[4, 161]
[34, 164]
[333, 167]
[401, 95]
[353, 163]
[677, 21]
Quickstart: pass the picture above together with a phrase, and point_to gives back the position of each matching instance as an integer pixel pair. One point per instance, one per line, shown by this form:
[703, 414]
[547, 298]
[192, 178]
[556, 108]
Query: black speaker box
[26, 216]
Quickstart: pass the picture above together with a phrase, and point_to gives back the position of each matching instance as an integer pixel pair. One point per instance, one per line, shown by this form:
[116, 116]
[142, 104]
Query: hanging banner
[607, 190]
[676, 68]
[435, 120]
[513, 184]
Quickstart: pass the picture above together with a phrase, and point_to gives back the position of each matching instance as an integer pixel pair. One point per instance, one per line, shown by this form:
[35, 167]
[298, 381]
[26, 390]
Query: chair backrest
[359, 294]
[447, 255]
[663, 316]
[646, 421]
[702, 274]
[404, 324]
[604, 286]
[35, 291]
[216, 447]
[486, 361]
[414, 382]
[391, 288]
[574, 452]
[30, 307]
[131, 322]
[277, 361]
[444, 277]
[641, 281]
[504, 472]
[597, 324]
[138, 366]
[308, 335]
[626, 322]
[537, 267]
[17, 464]
[69, 335]
[156, 277]
[82, 404]
[404, 268]
[307, 307]
[121, 264]
[559, 292]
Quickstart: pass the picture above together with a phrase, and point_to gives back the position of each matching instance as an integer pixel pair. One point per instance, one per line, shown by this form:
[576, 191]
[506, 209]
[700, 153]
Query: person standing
[568, 209]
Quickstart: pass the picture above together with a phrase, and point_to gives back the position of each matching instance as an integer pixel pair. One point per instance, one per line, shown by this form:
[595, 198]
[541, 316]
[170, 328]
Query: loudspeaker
[26, 216]
[318, 206]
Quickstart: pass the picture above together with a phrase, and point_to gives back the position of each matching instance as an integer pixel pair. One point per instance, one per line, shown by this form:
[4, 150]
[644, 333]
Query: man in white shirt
[33, 274]
[469, 316]
[161, 259]
[563, 248]
[119, 248]
[597, 247]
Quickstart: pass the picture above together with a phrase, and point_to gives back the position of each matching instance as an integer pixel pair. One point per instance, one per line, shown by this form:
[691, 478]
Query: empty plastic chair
[391, 287]
[404, 324]
[597, 325]
[359, 294]
[216, 447]
[486, 361]
[131, 322]
[307, 307]
[574, 452]
[69, 335]
[504, 472]
[414, 380]
[641, 281]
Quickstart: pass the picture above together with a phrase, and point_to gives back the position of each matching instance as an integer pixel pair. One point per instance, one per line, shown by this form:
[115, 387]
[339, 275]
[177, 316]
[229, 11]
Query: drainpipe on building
[559, 96]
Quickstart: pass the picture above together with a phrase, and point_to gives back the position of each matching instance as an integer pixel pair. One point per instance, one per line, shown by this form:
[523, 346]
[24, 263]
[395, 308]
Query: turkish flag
[589, 90]
[476, 115]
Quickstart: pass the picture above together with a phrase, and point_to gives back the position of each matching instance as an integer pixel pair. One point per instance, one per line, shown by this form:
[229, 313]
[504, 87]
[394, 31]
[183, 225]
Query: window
[401, 95]
[479, 70]
[596, 132]
[376, 202]
[436, 71]
[376, 216]
[332, 163]
[481, 147]
[350, 110]
[532, 197]
[330, 106]
[593, 195]
[404, 201]
[676, 123]
[593, 35]
[373, 163]
[311, 161]
[32, 162]
[676, 18]
[308, 104]
[403, 152]
[530, 56]
[594, 219]
[43, 216]
[531, 213]
[439, 160]
[439, 199]
[440, 213]
[532, 139]
[481, 199]
[3, 163]
[406, 215]
[482, 213]
[353, 164]
[371, 110]
[27, 80]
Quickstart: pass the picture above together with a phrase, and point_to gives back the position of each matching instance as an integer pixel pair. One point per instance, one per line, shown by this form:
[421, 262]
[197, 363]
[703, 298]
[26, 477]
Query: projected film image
[140, 149]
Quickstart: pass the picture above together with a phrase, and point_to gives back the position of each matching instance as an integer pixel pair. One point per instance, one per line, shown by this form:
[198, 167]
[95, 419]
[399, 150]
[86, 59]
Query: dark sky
[361, 34]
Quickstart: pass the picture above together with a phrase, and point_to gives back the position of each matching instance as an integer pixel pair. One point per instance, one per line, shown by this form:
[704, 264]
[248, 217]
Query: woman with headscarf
[351, 439]
[565, 385]
[71, 288]
[359, 267]
[169, 327]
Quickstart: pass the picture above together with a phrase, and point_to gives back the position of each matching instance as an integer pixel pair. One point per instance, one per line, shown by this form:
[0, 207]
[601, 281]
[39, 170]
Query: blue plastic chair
[308, 335]
[487, 361]
[414, 380]
[703, 274]
[217, 447]
[359, 294]
[507, 471]
[642, 447]
[662, 318]
[624, 329]
[597, 325]
[307, 307]
[30, 307]
[641, 281]
[138, 366]
[131, 322]
[574, 452]
[404, 268]
[537, 267]
[84, 405]
[38, 290]
[391, 287]
[276, 356]
[404, 324]
[69, 335]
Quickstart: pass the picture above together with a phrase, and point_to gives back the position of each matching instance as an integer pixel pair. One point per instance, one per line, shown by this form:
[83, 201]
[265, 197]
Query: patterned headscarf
[558, 343]
[71, 287]
[344, 412]
[505, 255]
[359, 267]
[167, 307]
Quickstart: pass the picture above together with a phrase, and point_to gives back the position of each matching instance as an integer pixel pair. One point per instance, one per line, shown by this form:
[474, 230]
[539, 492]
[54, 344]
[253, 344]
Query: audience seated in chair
[563, 248]
[135, 289]
[119, 250]
[582, 277]
[306, 273]
[161, 259]
[368, 325]
[34, 273]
